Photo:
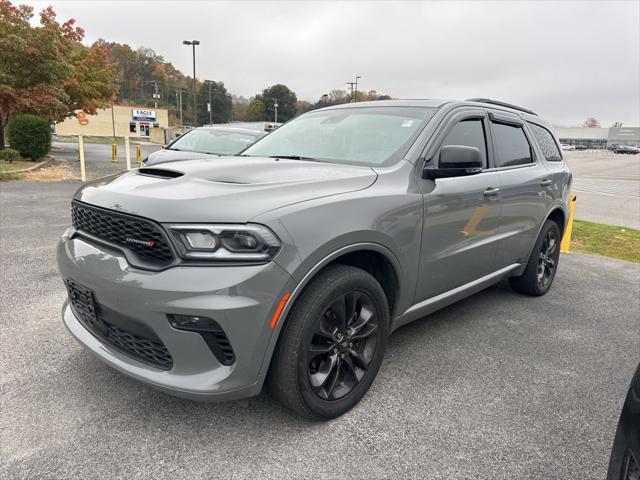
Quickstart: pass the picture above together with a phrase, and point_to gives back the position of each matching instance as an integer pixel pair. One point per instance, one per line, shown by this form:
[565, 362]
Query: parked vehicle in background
[293, 262]
[580, 147]
[624, 149]
[625, 454]
[205, 142]
[565, 146]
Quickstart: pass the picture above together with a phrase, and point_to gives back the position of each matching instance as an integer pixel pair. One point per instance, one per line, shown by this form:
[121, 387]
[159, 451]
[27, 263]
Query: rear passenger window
[469, 133]
[546, 143]
[512, 146]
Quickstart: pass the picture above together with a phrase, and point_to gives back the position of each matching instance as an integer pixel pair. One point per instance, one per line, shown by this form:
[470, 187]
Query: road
[607, 187]
[499, 386]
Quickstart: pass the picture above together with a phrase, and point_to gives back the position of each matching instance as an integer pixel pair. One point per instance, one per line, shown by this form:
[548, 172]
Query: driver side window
[469, 133]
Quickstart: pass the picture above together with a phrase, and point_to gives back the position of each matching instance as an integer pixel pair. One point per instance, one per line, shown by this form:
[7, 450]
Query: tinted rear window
[512, 146]
[546, 143]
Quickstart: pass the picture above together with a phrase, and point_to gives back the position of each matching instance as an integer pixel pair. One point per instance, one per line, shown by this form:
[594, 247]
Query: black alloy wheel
[343, 345]
[547, 259]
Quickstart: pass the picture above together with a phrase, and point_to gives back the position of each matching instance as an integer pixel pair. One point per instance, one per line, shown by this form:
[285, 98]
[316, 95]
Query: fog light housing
[193, 323]
[210, 331]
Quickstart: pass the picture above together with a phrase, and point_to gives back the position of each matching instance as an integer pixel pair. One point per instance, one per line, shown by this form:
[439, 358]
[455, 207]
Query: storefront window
[132, 127]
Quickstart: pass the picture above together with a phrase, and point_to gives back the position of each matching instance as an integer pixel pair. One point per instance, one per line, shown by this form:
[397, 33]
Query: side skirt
[432, 304]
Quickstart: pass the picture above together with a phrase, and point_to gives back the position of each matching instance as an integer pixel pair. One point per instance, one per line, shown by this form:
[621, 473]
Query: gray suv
[292, 263]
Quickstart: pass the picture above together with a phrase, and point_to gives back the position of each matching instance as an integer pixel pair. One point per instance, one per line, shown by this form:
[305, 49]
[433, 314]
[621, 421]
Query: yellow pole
[566, 240]
[114, 153]
[83, 173]
[138, 155]
[127, 152]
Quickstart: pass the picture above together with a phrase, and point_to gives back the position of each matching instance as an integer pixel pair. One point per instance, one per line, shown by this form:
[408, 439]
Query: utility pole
[179, 103]
[275, 105]
[156, 95]
[355, 96]
[210, 106]
[193, 43]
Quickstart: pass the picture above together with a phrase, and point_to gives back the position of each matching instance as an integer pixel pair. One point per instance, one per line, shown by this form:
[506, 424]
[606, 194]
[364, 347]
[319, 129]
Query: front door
[461, 214]
[144, 129]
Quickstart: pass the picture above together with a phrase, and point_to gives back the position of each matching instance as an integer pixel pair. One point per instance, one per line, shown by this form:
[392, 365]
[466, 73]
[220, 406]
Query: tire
[322, 367]
[543, 263]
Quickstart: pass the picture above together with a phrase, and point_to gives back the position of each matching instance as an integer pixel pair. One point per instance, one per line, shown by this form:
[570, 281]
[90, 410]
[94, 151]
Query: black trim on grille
[220, 345]
[143, 348]
[143, 241]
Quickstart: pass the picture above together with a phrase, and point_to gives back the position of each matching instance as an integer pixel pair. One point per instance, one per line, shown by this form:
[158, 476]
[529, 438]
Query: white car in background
[564, 146]
[203, 142]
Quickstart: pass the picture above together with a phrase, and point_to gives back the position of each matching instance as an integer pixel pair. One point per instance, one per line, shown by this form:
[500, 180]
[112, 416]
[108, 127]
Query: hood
[163, 155]
[229, 189]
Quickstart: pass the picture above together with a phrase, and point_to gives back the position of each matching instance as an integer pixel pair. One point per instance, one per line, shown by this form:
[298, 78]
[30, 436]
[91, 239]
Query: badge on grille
[146, 243]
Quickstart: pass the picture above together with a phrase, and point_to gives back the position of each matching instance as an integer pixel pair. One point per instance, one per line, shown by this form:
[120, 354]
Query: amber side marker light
[278, 312]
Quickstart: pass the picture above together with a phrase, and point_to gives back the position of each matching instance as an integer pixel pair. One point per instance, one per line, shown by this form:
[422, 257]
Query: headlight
[243, 243]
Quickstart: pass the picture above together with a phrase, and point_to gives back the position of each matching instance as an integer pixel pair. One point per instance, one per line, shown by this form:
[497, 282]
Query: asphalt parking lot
[498, 386]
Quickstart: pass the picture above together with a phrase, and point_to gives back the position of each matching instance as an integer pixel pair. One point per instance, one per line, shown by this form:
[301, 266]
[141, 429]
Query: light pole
[355, 96]
[210, 104]
[351, 84]
[193, 43]
[275, 105]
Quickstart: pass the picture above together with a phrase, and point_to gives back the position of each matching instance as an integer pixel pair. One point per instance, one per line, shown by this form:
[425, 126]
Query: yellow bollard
[83, 172]
[127, 153]
[138, 155]
[566, 240]
[114, 153]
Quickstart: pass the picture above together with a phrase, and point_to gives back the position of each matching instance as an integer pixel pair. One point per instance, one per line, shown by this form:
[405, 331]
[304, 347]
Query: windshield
[219, 142]
[372, 136]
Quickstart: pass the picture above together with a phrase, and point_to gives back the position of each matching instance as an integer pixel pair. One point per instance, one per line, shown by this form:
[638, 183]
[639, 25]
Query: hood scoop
[159, 173]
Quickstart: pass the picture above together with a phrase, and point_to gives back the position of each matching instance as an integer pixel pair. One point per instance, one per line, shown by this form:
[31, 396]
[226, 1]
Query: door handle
[545, 183]
[491, 191]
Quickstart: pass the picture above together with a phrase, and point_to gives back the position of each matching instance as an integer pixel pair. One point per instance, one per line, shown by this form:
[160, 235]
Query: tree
[45, 69]
[286, 99]
[303, 106]
[591, 123]
[256, 109]
[221, 103]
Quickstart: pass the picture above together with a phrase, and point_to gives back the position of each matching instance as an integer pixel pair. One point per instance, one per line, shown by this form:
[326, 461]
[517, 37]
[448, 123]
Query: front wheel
[543, 263]
[332, 344]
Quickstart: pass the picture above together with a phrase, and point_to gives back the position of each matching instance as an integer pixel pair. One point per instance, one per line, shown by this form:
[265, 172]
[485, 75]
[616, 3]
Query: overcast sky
[565, 60]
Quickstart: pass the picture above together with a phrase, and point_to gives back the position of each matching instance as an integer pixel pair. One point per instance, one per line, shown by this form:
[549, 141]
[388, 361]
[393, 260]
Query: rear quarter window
[546, 143]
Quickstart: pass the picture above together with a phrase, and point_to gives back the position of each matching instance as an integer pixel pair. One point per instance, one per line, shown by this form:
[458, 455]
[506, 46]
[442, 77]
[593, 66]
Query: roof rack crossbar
[501, 104]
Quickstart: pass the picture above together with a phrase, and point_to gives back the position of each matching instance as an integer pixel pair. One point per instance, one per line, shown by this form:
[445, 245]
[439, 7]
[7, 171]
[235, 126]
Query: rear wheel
[332, 344]
[543, 264]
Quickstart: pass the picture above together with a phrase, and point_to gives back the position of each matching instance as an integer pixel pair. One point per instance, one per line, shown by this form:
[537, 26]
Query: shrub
[30, 135]
[9, 155]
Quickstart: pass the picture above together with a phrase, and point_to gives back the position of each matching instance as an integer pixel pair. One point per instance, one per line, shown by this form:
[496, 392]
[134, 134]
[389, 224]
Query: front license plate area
[83, 303]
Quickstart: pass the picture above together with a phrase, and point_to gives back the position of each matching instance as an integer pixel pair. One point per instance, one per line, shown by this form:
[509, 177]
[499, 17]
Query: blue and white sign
[142, 114]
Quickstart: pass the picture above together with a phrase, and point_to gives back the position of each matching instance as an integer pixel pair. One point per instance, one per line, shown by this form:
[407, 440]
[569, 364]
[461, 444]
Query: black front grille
[87, 310]
[141, 237]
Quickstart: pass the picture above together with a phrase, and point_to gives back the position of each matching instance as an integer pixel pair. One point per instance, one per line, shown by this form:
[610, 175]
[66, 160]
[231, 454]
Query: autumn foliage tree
[45, 70]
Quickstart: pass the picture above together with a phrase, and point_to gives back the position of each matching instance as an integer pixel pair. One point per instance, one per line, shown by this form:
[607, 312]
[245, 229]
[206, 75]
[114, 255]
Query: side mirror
[455, 161]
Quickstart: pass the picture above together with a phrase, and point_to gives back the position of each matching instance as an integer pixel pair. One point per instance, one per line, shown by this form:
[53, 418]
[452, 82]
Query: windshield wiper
[295, 157]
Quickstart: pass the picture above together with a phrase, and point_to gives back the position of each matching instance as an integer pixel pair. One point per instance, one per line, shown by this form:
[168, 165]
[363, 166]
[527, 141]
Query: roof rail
[501, 104]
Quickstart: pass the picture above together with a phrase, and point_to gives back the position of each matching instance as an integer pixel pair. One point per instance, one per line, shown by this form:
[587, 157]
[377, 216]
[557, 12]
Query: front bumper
[241, 299]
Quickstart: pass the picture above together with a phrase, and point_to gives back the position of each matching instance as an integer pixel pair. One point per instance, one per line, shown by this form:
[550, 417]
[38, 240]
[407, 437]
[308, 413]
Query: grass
[6, 167]
[606, 240]
[51, 173]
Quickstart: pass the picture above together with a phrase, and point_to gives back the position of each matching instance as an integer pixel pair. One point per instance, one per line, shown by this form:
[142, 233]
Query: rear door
[526, 187]
[461, 214]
